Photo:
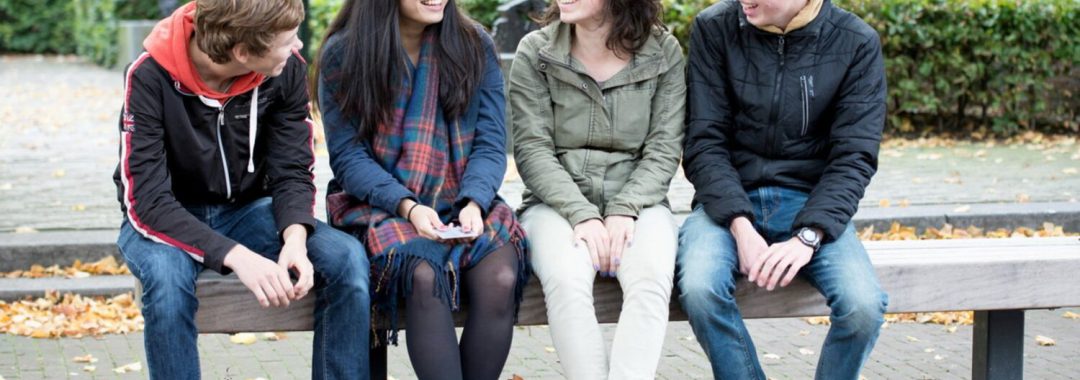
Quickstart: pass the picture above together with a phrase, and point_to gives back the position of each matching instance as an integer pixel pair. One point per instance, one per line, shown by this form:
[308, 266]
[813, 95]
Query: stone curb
[18, 288]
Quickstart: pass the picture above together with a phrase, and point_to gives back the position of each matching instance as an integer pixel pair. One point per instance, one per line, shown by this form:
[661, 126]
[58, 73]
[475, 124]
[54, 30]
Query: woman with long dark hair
[597, 101]
[412, 101]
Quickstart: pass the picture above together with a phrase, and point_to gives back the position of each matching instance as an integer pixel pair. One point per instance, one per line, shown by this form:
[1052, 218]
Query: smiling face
[577, 11]
[771, 12]
[421, 13]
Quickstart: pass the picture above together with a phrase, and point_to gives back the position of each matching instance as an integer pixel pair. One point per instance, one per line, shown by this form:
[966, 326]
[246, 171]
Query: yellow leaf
[549, 349]
[951, 329]
[803, 333]
[130, 367]
[928, 350]
[939, 357]
[243, 338]
[88, 358]
[1069, 170]
[517, 377]
[89, 368]
[771, 356]
[964, 208]
[25, 230]
[883, 203]
[912, 339]
[58, 173]
[1044, 341]
[78, 207]
[274, 336]
[806, 351]
[817, 320]
[1023, 198]
[1071, 315]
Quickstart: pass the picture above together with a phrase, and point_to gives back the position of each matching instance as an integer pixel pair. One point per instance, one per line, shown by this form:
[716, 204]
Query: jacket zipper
[776, 98]
[221, 149]
[805, 104]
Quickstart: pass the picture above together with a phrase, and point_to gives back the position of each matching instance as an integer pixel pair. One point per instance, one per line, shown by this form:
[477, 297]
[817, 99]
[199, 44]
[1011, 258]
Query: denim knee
[863, 313]
[339, 258]
[168, 285]
[705, 264]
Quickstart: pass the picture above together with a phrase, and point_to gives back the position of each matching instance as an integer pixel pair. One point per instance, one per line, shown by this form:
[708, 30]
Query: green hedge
[36, 26]
[979, 66]
[85, 27]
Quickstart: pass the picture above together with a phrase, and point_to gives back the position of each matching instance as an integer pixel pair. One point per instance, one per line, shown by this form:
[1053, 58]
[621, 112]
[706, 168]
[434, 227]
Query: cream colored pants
[567, 275]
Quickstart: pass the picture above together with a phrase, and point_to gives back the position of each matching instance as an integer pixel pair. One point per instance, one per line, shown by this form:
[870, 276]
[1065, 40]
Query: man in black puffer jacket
[785, 109]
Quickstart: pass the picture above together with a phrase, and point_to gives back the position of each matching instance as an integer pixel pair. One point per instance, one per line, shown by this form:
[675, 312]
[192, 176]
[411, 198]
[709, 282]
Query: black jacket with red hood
[182, 145]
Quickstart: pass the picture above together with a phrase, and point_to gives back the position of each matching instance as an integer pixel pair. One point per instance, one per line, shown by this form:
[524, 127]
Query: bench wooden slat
[988, 274]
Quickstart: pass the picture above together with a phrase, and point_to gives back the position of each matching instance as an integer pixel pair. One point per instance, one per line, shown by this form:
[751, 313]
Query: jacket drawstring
[253, 128]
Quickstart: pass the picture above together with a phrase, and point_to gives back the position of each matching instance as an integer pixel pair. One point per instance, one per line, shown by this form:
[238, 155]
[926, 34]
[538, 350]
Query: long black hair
[372, 59]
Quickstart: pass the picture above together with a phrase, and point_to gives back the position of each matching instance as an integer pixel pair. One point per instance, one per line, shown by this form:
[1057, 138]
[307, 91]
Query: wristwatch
[809, 237]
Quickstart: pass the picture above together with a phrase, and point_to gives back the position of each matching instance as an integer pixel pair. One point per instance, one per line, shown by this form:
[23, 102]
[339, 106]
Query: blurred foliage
[990, 67]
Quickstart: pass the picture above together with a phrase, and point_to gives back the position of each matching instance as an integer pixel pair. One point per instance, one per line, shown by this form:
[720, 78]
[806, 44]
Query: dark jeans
[707, 265]
[342, 316]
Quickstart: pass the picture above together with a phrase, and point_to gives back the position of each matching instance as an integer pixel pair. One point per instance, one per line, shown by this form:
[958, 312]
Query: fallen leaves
[947, 318]
[70, 315]
[1044, 341]
[1071, 315]
[105, 266]
[947, 232]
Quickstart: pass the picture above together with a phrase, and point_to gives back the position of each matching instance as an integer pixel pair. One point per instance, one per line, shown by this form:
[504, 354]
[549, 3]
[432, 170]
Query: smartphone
[455, 232]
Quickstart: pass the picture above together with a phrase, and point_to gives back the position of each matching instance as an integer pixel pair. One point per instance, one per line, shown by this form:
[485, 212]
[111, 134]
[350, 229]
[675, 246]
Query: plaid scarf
[428, 155]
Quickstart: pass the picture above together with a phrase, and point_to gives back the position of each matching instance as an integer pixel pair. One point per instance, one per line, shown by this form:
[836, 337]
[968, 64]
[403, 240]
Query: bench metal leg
[998, 351]
[377, 355]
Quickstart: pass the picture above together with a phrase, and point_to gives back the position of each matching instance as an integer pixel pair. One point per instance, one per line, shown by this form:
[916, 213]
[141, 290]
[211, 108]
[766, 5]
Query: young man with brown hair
[215, 171]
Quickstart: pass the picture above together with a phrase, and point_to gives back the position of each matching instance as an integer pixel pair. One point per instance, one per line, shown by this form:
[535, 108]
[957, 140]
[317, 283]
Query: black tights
[485, 342]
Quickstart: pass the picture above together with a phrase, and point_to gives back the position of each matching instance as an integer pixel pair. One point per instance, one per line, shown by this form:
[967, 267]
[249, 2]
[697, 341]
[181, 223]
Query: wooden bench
[998, 278]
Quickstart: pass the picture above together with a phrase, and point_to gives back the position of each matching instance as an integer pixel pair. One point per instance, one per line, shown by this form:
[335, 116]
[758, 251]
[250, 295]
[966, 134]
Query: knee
[340, 259]
[168, 295]
[423, 276]
[863, 313]
[704, 292]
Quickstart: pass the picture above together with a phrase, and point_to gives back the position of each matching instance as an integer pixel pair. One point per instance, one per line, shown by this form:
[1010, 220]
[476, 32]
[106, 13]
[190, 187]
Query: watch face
[808, 235]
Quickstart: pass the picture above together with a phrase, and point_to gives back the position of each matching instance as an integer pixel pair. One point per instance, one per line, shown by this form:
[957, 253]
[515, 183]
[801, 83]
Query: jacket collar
[813, 29]
[643, 64]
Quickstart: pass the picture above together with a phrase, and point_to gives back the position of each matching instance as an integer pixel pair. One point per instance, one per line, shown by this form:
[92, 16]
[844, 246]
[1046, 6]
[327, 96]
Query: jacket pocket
[805, 94]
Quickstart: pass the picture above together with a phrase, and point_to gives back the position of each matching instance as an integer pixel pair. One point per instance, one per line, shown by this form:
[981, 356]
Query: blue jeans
[342, 312]
[707, 266]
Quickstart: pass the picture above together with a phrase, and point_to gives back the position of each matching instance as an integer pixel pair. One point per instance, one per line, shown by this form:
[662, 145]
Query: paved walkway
[58, 149]
[904, 351]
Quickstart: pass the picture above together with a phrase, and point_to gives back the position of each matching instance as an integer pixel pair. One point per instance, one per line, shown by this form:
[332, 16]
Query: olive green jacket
[588, 149]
